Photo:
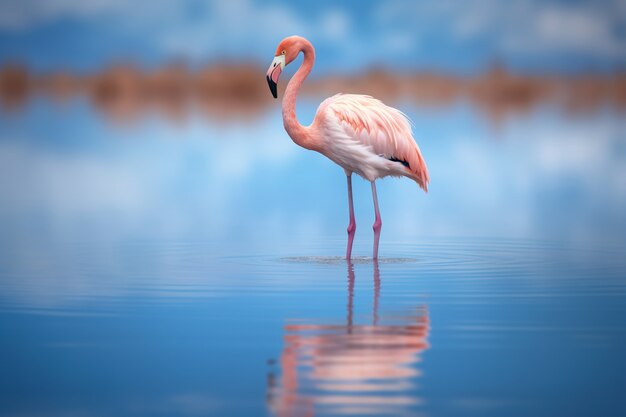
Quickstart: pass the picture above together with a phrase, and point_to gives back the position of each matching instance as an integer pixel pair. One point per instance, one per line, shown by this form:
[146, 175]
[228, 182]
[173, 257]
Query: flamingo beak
[273, 73]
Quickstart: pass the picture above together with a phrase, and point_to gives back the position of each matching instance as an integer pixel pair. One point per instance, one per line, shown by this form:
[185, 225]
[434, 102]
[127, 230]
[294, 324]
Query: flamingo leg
[378, 223]
[352, 224]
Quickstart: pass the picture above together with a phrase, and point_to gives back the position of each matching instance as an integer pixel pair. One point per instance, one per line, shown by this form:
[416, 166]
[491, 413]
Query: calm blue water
[195, 269]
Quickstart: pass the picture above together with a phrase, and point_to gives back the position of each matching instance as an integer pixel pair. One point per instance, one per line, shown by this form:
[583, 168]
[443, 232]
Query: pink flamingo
[357, 132]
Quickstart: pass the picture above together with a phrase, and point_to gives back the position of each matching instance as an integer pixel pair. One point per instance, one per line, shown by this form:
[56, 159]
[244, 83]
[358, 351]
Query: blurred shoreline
[225, 92]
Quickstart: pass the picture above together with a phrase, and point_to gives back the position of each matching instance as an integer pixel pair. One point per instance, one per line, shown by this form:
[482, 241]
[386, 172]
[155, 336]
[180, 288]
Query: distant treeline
[233, 91]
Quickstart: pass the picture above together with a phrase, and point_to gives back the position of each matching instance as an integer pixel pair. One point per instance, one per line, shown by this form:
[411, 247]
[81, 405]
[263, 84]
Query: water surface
[196, 270]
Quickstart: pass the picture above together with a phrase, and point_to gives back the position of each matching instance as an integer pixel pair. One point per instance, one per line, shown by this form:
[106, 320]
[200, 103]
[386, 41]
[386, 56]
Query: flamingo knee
[378, 224]
[351, 232]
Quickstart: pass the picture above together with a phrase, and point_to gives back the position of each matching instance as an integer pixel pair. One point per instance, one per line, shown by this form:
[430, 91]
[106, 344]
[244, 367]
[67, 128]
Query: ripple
[339, 260]
[476, 269]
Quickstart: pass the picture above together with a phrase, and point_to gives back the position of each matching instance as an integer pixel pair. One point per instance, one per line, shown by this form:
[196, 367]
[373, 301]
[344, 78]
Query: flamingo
[357, 132]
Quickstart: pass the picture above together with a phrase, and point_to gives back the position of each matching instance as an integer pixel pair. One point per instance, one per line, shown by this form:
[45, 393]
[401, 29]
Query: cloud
[188, 28]
[227, 28]
[366, 33]
[521, 26]
[560, 29]
[335, 23]
[25, 14]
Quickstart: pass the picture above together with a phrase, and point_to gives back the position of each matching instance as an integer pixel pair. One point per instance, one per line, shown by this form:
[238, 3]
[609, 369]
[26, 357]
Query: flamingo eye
[283, 52]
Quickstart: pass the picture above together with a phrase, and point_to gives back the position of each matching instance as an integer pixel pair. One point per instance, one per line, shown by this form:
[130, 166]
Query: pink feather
[385, 130]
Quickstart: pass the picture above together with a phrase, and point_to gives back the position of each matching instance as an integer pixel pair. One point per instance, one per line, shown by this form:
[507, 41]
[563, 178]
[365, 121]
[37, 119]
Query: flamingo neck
[298, 133]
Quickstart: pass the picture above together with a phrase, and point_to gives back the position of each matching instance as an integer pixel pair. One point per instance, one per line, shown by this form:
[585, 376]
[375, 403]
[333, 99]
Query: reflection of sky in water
[171, 270]
[67, 174]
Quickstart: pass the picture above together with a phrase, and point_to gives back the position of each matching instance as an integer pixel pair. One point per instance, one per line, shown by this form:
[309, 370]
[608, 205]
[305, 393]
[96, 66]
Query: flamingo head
[286, 52]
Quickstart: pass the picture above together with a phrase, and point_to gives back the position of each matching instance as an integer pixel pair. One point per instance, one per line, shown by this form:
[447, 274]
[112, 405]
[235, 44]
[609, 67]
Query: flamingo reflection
[351, 368]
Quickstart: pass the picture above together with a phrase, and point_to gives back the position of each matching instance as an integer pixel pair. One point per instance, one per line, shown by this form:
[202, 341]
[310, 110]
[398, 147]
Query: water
[197, 270]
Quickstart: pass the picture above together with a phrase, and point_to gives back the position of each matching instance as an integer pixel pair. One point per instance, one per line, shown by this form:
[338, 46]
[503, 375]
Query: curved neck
[298, 133]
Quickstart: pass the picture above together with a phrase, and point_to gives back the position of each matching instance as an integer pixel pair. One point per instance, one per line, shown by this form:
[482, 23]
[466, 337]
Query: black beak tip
[273, 88]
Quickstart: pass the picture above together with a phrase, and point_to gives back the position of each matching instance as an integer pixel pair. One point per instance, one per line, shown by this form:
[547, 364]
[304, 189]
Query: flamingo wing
[383, 131]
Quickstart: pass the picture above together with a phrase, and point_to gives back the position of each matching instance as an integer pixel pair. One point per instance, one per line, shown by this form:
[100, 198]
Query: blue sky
[457, 36]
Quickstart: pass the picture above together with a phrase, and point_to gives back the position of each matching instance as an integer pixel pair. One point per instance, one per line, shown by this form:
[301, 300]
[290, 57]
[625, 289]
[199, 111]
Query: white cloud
[335, 24]
[200, 30]
[24, 14]
[519, 26]
[567, 30]
[228, 27]
[186, 26]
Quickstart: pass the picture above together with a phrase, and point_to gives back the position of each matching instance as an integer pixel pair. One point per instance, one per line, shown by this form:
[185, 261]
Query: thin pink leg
[352, 225]
[378, 223]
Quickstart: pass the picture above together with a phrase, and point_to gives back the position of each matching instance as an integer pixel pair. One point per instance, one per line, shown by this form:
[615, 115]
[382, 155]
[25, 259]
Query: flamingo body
[357, 132]
[364, 136]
